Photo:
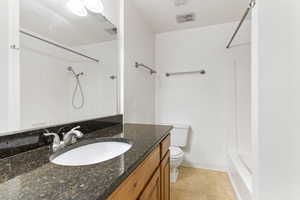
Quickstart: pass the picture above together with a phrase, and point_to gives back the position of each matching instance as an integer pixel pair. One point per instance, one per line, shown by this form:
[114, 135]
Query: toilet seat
[176, 152]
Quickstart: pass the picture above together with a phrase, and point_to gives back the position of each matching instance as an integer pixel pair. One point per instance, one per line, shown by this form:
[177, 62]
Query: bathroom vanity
[140, 173]
[151, 179]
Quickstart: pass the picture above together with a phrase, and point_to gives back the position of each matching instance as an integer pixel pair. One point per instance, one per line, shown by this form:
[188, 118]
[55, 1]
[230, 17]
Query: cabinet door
[133, 186]
[152, 190]
[165, 177]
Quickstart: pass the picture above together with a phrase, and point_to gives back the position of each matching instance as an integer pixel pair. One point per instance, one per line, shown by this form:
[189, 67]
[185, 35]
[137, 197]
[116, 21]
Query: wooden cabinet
[150, 180]
[131, 188]
[165, 177]
[153, 189]
[164, 147]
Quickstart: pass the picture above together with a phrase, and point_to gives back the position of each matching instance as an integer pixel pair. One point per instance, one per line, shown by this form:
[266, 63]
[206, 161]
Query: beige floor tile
[200, 184]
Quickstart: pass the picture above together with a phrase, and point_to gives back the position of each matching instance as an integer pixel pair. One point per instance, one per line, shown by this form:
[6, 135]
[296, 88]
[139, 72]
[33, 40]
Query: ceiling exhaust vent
[185, 18]
[180, 2]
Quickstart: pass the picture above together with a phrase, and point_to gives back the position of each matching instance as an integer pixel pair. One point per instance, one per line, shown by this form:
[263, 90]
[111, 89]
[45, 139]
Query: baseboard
[237, 166]
[237, 194]
[204, 166]
[239, 179]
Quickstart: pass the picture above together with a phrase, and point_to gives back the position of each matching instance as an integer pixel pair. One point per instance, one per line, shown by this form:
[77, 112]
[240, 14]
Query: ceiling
[161, 14]
[52, 20]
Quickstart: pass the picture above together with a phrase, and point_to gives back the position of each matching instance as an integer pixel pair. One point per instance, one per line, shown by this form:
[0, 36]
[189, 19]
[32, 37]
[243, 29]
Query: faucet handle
[56, 139]
[57, 143]
[78, 133]
[75, 129]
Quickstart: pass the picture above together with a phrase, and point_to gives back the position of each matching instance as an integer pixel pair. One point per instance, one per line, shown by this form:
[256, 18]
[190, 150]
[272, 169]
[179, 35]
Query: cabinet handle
[14, 47]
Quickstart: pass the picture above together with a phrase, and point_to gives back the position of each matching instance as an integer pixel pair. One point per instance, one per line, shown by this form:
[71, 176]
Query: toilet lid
[176, 152]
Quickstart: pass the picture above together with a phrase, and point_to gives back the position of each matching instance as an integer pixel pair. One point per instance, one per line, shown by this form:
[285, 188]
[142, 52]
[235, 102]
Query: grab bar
[184, 73]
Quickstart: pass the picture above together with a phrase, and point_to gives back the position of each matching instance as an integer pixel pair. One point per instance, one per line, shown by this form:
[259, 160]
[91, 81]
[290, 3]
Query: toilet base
[173, 175]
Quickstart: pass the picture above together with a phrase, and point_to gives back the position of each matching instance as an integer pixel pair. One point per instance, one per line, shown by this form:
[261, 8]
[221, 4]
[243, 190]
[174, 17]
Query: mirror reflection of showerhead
[74, 73]
[77, 86]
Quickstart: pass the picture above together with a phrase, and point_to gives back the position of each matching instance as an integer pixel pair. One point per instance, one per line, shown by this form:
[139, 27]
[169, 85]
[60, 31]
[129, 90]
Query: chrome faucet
[68, 138]
[71, 136]
[57, 144]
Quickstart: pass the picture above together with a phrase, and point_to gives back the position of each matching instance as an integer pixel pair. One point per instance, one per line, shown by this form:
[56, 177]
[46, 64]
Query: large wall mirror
[68, 62]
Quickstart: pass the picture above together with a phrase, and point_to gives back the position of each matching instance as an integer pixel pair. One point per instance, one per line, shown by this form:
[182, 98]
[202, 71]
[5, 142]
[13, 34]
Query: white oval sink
[90, 153]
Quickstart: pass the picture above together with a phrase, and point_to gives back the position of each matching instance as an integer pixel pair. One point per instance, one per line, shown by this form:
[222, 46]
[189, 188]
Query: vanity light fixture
[77, 8]
[80, 7]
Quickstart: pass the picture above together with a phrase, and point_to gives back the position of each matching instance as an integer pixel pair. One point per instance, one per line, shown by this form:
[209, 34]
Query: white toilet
[179, 137]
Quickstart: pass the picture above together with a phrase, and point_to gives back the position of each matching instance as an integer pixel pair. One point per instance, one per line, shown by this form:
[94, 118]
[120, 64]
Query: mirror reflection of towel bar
[184, 73]
[57, 45]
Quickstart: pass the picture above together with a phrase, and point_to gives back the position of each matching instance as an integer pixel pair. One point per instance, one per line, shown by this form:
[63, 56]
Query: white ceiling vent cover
[180, 2]
[185, 18]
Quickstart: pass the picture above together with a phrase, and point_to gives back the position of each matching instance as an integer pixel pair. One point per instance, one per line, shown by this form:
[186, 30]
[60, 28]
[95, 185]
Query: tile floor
[200, 184]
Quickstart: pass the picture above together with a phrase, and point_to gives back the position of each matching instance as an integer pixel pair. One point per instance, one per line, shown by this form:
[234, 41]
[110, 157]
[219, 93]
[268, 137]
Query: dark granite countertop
[30, 175]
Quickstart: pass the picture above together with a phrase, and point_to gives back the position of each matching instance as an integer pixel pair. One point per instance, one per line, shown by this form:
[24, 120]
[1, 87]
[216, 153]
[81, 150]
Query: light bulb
[95, 6]
[77, 7]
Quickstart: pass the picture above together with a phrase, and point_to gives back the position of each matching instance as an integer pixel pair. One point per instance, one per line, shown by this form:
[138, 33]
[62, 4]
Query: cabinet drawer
[131, 188]
[164, 146]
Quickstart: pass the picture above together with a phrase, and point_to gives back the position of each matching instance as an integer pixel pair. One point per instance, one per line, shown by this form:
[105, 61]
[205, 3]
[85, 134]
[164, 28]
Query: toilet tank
[179, 135]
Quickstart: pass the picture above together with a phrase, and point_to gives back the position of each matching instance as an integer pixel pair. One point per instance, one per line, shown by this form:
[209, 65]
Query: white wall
[47, 86]
[100, 90]
[4, 63]
[9, 60]
[276, 104]
[206, 102]
[44, 84]
[139, 85]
